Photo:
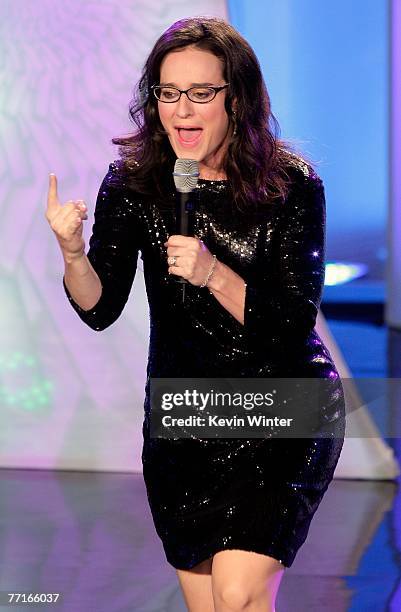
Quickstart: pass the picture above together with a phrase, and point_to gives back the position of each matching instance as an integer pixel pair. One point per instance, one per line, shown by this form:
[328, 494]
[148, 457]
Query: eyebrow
[192, 85]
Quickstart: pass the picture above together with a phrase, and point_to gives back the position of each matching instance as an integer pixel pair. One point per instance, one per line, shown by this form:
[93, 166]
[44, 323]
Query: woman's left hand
[193, 258]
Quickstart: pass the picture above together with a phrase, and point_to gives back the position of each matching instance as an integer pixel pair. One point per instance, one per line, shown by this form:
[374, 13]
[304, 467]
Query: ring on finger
[172, 260]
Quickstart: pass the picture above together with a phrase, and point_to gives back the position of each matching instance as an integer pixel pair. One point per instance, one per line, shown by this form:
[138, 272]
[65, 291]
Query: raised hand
[66, 221]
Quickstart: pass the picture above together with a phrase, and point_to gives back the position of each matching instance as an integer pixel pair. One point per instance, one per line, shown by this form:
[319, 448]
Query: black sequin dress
[208, 495]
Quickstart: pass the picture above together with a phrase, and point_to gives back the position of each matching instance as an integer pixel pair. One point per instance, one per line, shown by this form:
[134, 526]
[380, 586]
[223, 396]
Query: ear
[234, 104]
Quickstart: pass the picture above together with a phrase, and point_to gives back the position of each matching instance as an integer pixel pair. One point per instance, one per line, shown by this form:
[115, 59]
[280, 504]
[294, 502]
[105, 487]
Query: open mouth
[189, 136]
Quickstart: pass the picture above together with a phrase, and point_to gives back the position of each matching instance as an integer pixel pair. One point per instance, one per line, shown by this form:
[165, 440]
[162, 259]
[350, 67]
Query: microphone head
[186, 173]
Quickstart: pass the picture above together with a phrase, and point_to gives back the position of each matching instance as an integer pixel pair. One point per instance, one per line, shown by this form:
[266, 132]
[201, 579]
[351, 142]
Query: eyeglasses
[200, 95]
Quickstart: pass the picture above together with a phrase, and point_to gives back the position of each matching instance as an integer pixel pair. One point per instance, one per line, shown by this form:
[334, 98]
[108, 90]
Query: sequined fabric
[208, 495]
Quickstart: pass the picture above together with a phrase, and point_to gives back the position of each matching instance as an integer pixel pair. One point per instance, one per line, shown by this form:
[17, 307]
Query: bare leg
[243, 580]
[196, 585]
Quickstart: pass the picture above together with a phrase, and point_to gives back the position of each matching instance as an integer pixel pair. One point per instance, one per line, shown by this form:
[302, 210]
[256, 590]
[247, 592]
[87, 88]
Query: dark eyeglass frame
[185, 91]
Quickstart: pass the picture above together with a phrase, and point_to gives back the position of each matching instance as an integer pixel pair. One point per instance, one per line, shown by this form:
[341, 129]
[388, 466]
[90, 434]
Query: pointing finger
[52, 197]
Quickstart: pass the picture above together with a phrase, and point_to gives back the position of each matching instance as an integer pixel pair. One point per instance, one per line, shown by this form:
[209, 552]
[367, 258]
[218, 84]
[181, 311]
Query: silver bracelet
[210, 272]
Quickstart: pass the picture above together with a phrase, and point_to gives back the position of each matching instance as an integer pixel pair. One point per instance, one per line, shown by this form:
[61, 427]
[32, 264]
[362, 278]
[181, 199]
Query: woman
[231, 513]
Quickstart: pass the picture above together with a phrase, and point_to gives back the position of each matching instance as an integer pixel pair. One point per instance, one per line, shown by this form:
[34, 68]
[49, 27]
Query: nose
[184, 106]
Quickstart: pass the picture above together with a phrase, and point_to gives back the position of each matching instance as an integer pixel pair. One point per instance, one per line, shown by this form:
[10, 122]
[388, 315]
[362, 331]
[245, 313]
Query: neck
[211, 174]
[211, 168]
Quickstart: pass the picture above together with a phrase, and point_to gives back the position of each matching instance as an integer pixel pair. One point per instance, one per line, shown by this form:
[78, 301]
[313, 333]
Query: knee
[231, 597]
[234, 597]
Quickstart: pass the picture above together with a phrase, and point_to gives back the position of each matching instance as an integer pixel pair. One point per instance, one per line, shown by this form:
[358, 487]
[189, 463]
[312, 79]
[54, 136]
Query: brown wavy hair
[256, 159]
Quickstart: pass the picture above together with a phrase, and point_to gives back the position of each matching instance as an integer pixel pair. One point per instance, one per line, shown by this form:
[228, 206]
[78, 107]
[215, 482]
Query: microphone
[186, 173]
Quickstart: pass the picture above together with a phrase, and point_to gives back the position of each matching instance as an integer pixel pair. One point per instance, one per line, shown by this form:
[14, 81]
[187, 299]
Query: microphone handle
[183, 213]
[184, 227]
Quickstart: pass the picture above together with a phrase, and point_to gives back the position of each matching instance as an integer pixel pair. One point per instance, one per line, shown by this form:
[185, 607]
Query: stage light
[338, 273]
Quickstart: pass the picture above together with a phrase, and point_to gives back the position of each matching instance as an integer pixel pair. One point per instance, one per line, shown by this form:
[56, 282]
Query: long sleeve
[113, 253]
[281, 305]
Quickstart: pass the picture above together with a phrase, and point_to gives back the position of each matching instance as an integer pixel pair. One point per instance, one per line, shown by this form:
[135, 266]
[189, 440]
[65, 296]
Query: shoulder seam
[297, 161]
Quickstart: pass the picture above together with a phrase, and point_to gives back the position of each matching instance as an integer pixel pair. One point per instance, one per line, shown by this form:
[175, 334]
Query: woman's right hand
[66, 221]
